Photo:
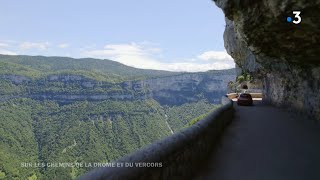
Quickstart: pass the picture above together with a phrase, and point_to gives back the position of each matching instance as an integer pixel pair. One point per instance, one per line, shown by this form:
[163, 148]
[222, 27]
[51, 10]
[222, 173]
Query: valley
[57, 109]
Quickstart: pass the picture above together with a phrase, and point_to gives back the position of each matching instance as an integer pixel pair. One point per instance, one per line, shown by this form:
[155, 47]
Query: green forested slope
[17, 140]
[44, 131]
[106, 70]
[180, 116]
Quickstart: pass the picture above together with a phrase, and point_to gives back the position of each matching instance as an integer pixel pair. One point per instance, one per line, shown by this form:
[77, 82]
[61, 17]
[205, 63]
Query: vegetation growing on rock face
[242, 82]
[62, 110]
[245, 76]
[240, 79]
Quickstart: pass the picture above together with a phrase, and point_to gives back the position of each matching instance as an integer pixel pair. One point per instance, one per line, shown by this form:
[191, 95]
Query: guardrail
[180, 155]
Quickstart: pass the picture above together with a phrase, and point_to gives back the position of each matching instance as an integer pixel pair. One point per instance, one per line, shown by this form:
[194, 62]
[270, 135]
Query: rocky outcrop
[16, 79]
[170, 90]
[190, 87]
[283, 55]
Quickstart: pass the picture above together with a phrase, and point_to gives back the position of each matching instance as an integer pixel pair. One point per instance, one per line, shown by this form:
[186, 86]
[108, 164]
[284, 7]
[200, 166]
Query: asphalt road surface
[266, 143]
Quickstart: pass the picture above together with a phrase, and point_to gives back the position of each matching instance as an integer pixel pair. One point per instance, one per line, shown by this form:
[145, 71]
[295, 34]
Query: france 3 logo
[297, 18]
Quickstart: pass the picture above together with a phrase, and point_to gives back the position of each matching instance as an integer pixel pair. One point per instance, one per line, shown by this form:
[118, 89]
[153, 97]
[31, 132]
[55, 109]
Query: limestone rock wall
[284, 56]
[170, 90]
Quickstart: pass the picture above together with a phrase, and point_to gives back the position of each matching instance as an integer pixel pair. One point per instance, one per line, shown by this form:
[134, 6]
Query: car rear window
[245, 95]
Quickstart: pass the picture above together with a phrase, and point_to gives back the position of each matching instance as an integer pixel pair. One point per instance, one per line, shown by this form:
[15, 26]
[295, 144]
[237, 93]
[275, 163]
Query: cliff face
[176, 90]
[170, 90]
[283, 55]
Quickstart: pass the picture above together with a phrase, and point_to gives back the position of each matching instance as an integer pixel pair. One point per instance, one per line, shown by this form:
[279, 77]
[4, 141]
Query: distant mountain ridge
[104, 70]
[67, 80]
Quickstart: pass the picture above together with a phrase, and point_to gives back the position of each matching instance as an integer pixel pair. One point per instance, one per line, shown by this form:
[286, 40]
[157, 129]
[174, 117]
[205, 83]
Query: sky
[174, 35]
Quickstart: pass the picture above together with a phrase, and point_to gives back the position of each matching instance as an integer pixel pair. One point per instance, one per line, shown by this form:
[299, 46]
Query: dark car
[244, 99]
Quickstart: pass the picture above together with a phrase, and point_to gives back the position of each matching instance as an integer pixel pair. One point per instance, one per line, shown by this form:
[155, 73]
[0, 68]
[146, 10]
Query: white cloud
[7, 52]
[195, 67]
[215, 56]
[33, 45]
[145, 55]
[4, 45]
[63, 45]
[130, 54]
[141, 56]
[132, 49]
